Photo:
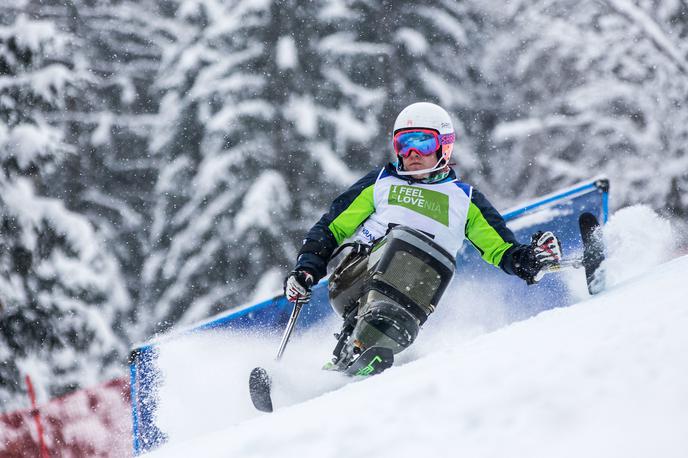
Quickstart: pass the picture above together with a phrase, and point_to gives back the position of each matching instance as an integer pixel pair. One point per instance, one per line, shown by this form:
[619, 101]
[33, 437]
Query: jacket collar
[391, 169]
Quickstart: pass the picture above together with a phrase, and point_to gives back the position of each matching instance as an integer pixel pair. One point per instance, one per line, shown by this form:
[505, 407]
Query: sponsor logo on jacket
[433, 204]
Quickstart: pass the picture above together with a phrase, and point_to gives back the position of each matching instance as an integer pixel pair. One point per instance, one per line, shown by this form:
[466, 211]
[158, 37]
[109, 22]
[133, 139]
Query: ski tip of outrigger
[593, 255]
[259, 388]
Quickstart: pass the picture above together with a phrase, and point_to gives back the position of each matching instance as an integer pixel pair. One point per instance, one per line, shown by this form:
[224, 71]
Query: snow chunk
[205, 305]
[363, 96]
[30, 143]
[101, 134]
[32, 209]
[223, 75]
[636, 239]
[332, 165]
[190, 10]
[266, 198]
[350, 127]
[33, 35]
[50, 82]
[412, 40]
[287, 55]
[269, 285]
[335, 10]
[211, 173]
[225, 120]
[302, 112]
[446, 92]
[446, 23]
[168, 115]
[517, 129]
[129, 92]
[345, 43]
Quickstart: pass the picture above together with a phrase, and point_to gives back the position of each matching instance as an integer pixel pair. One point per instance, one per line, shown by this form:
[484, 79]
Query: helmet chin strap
[434, 168]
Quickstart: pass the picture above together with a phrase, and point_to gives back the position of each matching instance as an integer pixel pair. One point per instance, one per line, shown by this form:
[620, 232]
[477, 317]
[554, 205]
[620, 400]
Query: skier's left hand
[547, 251]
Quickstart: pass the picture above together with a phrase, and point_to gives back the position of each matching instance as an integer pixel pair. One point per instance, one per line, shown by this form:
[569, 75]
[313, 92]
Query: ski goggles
[424, 141]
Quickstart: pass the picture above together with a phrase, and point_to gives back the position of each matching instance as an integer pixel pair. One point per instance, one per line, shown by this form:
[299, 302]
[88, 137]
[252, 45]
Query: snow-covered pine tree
[430, 57]
[242, 135]
[59, 287]
[589, 87]
[109, 122]
[270, 109]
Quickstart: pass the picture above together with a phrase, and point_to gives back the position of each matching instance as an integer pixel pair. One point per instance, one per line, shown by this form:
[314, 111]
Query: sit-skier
[407, 221]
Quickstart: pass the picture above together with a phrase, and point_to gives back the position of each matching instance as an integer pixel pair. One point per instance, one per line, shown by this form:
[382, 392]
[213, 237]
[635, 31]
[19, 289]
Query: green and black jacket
[485, 229]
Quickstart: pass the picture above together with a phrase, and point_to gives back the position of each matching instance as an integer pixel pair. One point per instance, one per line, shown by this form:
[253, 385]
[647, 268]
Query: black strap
[356, 248]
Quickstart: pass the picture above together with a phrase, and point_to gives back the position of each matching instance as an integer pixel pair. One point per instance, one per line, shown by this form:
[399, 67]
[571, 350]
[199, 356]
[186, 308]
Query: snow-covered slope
[607, 377]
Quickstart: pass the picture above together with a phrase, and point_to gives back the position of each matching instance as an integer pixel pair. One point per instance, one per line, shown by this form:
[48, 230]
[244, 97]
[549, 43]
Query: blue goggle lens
[425, 143]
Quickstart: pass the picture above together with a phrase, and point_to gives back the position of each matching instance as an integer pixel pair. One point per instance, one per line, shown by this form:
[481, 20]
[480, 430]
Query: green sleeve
[345, 215]
[346, 223]
[485, 235]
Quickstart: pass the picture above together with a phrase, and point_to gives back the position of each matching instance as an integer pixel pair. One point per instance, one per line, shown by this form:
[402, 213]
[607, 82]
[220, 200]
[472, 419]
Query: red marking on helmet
[409, 123]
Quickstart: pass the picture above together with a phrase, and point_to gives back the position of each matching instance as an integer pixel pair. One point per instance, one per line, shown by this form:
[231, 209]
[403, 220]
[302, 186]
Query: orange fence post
[37, 418]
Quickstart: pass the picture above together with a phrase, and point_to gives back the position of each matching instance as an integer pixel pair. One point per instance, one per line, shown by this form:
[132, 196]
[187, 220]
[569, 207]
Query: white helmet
[425, 115]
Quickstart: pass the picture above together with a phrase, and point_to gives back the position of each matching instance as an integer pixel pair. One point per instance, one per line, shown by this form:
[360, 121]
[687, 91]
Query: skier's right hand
[297, 286]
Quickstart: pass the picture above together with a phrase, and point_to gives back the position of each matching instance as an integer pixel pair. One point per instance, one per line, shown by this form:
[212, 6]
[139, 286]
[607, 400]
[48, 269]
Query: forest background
[160, 161]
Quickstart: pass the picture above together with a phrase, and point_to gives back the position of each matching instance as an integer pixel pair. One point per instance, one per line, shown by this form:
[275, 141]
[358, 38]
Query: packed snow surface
[605, 377]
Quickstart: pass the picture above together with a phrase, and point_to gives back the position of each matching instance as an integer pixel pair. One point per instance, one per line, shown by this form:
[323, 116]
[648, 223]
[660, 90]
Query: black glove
[544, 250]
[546, 247]
[297, 286]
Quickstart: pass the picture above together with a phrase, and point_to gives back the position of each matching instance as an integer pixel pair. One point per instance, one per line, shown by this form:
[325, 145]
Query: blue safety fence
[557, 212]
